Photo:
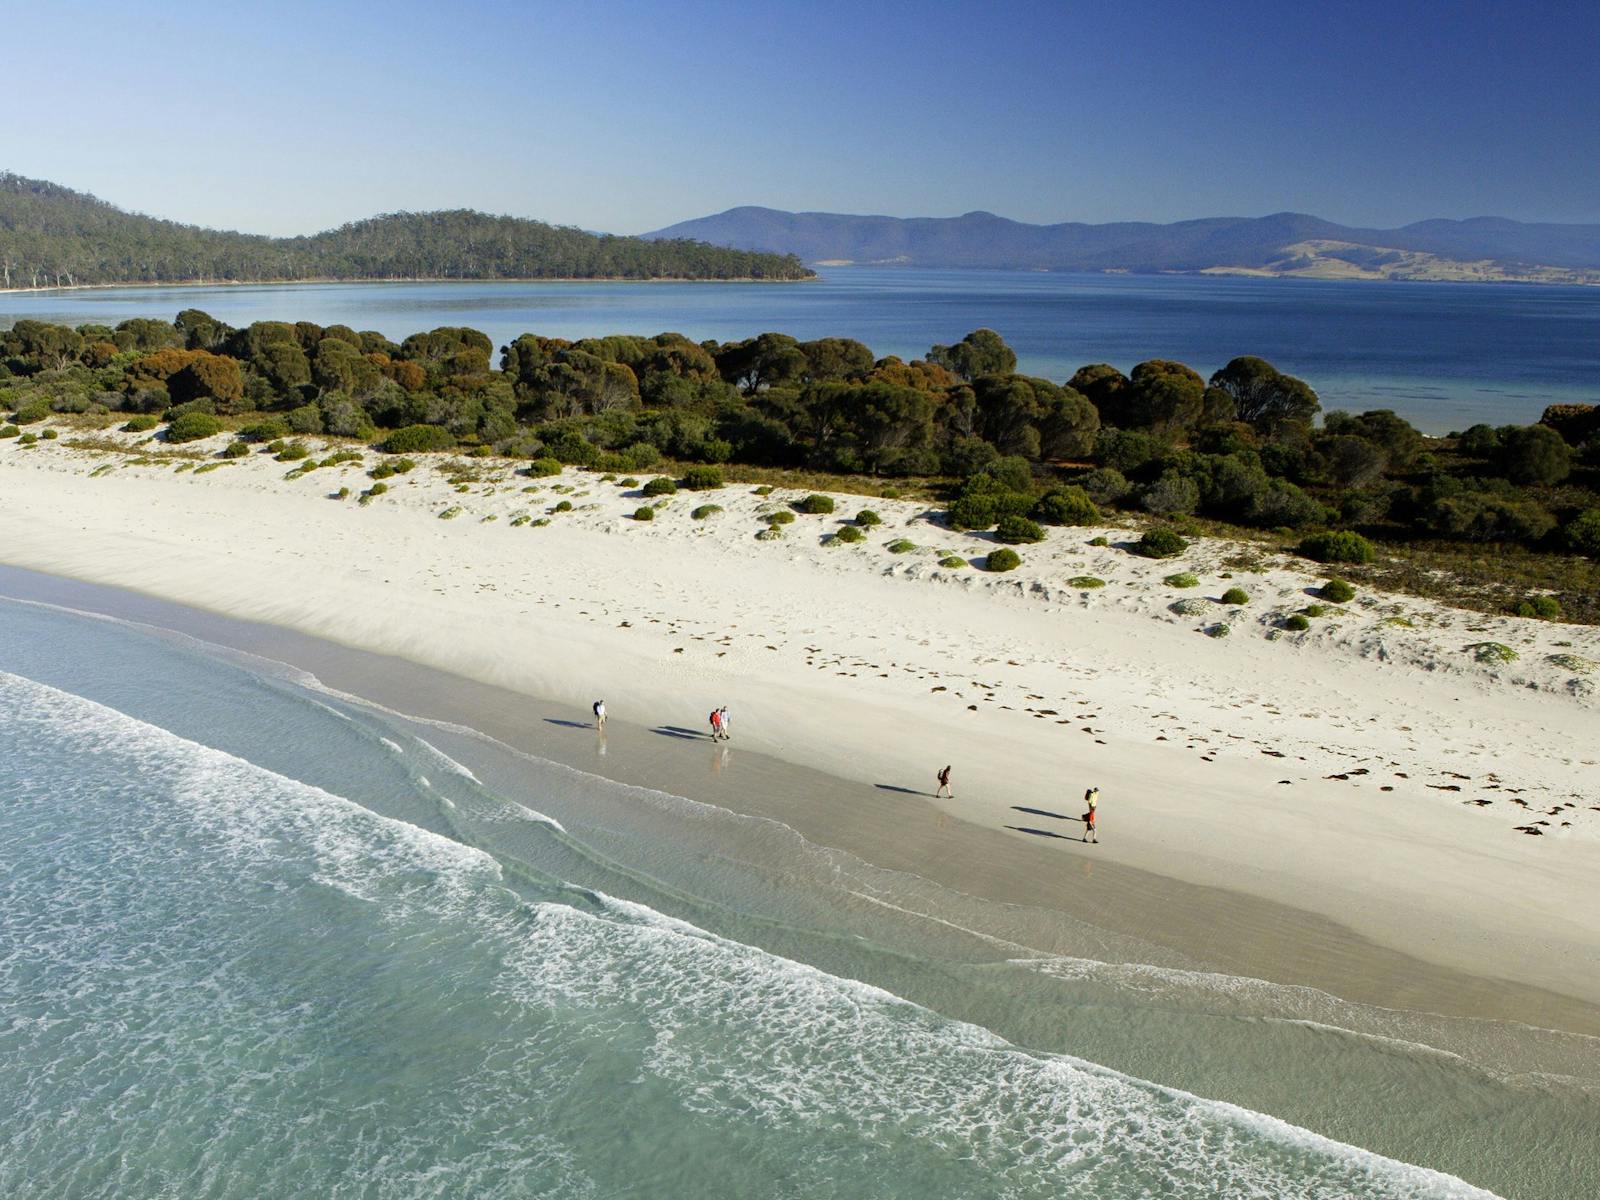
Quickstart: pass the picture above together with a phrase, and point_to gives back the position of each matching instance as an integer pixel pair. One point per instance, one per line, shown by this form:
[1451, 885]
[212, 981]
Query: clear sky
[290, 117]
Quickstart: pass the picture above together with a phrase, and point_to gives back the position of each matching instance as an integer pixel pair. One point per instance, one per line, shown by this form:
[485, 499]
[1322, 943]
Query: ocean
[1444, 356]
[262, 937]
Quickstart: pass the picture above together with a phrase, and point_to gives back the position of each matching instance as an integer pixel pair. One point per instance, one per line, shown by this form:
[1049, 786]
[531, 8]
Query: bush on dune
[702, 479]
[659, 486]
[1338, 546]
[1160, 543]
[1002, 560]
[192, 426]
[1018, 530]
[815, 504]
[1337, 590]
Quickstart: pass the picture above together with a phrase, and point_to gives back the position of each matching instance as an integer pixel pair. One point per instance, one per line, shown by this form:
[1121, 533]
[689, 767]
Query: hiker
[1089, 834]
[599, 714]
[944, 785]
[727, 723]
[1092, 798]
[716, 725]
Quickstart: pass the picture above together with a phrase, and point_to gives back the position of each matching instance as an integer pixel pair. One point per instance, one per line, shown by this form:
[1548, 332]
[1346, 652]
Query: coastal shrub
[235, 449]
[770, 534]
[1104, 485]
[782, 517]
[1017, 530]
[1189, 606]
[451, 513]
[866, 518]
[28, 439]
[901, 546]
[1218, 630]
[9, 431]
[644, 513]
[1337, 590]
[342, 494]
[143, 423]
[952, 561]
[1002, 560]
[639, 456]
[629, 482]
[293, 452]
[192, 426]
[702, 479]
[815, 504]
[972, 512]
[1493, 652]
[269, 430]
[49, 435]
[1183, 579]
[392, 466]
[706, 510]
[1102, 540]
[418, 439]
[1337, 546]
[563, 506]
[764, 490]
[305, 419]
[1572, 662]
[1160, 543]
[659, 486]
[1296, 623]
[1546, 608]
[1534, 454]
[372, 493]
[541, 468]
[1582, 533]
[850, 534]
[1314, 610]
[1236, 596]
[32, 413]
[1086, 581]
[340, 457]
[1066, 506]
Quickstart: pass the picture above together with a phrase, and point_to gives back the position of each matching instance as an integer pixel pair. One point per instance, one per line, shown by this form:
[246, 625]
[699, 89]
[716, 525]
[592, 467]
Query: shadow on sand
[569, 724]
[677, 731]
[1041, 833]
[889, 787]
[1043, 812]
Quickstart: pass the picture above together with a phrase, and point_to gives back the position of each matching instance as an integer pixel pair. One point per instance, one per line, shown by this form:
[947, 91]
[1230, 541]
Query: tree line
[51, 236]
[1248, 445]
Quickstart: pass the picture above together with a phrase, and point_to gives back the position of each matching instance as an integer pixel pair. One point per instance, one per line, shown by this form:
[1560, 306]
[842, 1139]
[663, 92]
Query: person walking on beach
[716, 725]
[944, 785]
[1092, 799]
[727, 723]
[599, 714]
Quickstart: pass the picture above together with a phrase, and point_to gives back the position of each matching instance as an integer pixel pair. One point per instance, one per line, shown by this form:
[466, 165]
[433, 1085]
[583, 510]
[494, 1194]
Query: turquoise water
[1443, 355]
[259, 939]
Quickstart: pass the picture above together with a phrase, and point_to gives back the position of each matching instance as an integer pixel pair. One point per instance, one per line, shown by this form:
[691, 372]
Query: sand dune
[1372, 769]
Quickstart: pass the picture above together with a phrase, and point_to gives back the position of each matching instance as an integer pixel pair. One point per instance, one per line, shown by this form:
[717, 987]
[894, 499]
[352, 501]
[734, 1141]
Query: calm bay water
[1443, 355]
[259, 939]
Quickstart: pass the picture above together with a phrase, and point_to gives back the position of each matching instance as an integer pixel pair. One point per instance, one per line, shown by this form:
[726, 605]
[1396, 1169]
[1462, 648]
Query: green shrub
[702, 479]
[1002, 560]
[1160, 543]
[269, 430]
[849, 533]
[451, 513]
[9, 431]
[1337, 590]
[305, 419]
[659, 486]
[1017, 530]
[644, 513]
[1100, 541]
[1546, 608]
[866, 518]
[764, 490]
[236, 449]
[1572, 662]
[372, 493]
[1314, 610]
[1183, 579]
[1493, 652]
[1086, 581]
[900, 546]
[293, 452]
[143, 423]
[1066, 506]
[340, 457]
[1219, 630]
[1189, 606]
[770, 534]
[1582, 533]
[391, 466]
[49, 435]
[815, 504]
[1236, 596]
[1297, 623]
[629, 482]
[782, 517]
[563, 506]
[706, 510]
[28, 439]
[418, 439]
[952, 562]
[32, 413]
[1339, 546]
[192, 426]
[342, 494]
[541, 468]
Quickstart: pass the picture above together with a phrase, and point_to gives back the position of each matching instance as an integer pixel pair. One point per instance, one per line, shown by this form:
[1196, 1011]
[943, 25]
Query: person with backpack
[1092, 799]
[599, 714]
[716, 725]
[944, 785]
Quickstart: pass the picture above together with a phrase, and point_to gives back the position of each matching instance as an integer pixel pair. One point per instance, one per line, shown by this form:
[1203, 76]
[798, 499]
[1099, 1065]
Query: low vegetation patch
[1183, 579]
[192, 426]
[1086, 581]
[143, 423]
[866, 518]
[659, 486]
[770, 534]
[1493, 652]
[541, 468]
[644, 513]
[1296, 623]
[238, 448]
[953, 561]
[1102, 540]
[849, 534]
[901, 546]
[372, 493]
[703, 479]
[1189, 606]
[706, 510]
[293, 452]
[418, 439]
[1219, 630]
[1545, 608]
[782, 517]
[815, 504]
[1002, 560]
[1017, 531]
[1337, 590]
[392, 466]
[1236, 596]
[1160, 543]
[451, 513]
[562, 506]
[32, 413]
[1066, 506]
[1572, 662]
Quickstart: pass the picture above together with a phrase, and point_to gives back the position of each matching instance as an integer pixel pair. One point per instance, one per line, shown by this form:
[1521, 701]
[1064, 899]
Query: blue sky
[291, 117]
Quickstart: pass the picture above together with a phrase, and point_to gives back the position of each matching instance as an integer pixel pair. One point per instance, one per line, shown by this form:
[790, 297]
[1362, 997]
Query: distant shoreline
[325, 280]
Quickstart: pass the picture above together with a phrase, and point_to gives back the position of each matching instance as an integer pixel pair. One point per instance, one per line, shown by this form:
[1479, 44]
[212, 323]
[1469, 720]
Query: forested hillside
[51, 236]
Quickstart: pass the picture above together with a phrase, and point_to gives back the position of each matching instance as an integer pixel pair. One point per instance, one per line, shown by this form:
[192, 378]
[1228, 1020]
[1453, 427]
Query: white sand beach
[1371, 771]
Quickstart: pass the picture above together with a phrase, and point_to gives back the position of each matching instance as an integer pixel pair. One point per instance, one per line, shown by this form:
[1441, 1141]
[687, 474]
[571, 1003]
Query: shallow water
[1442, 355]
[260, 939]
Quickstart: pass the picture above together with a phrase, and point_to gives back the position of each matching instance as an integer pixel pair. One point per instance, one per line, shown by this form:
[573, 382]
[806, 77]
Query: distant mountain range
[52, 236]
[1284, 244]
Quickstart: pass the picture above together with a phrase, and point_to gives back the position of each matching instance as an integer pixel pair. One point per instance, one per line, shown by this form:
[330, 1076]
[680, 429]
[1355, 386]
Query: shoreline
[321, 281]
[1249, 765]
